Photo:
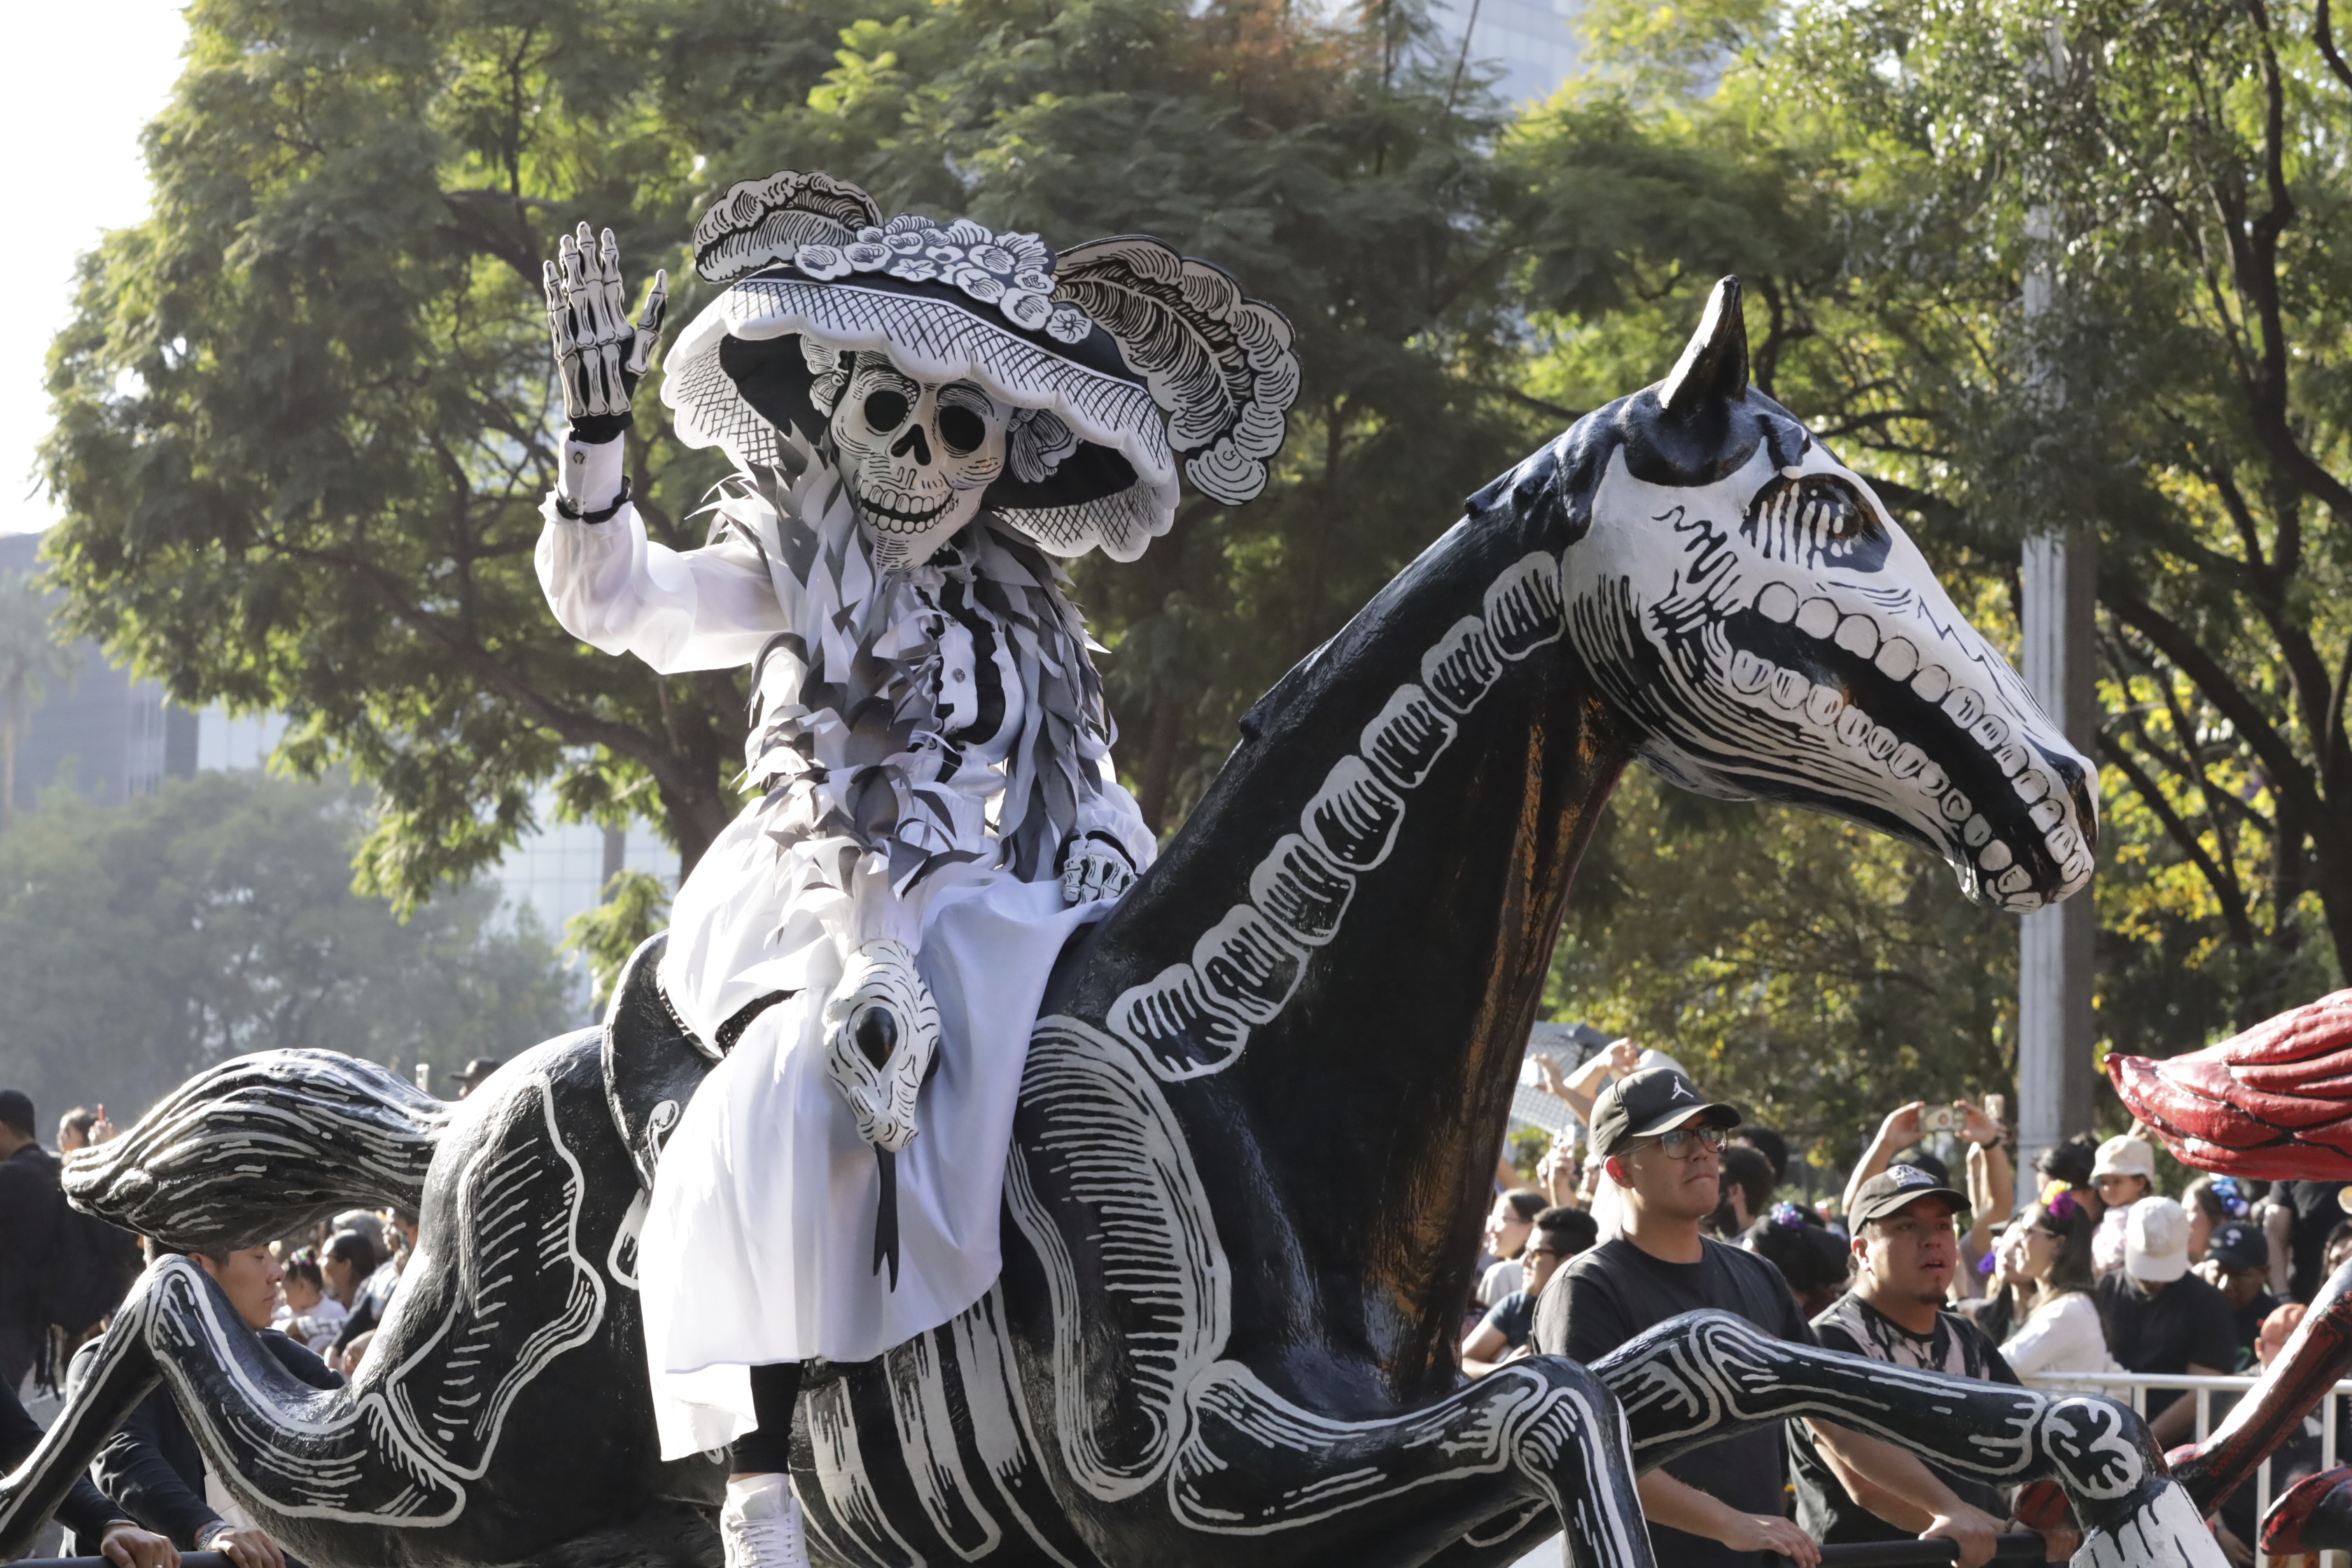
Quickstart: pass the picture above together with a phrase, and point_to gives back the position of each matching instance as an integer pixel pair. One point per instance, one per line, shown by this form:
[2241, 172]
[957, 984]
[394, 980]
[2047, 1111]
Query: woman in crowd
[1509, 1224]
[2045, 1276]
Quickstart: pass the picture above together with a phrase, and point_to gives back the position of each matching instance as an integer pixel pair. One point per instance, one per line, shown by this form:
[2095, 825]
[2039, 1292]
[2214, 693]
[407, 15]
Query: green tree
[1890, 181]
[142, 943]
[304, 414]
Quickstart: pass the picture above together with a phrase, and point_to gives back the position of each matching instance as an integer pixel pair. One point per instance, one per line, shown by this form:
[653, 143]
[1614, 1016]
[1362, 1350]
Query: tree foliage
[305, 418]
[142, 943]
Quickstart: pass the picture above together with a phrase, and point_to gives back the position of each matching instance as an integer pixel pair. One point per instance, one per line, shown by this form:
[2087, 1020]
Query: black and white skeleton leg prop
[1709, 1375]
[1544, 1435]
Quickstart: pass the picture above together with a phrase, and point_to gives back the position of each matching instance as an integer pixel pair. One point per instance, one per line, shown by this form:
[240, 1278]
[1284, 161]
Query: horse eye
[885, 411]
[961, 430]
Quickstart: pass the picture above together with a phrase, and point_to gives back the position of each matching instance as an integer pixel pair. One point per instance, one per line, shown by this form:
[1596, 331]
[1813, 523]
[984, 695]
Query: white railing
[2134, 1387]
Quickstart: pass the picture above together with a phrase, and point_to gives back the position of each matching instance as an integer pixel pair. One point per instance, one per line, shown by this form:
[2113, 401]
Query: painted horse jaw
[1775, 635]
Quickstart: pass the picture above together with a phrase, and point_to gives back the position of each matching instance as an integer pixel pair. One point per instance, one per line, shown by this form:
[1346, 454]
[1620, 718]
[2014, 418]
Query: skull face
[881, 1033]
[1778, 635]
[916, 455]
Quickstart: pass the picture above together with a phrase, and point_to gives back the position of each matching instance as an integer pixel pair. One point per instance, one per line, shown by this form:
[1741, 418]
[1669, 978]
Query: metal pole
[2056, 1075]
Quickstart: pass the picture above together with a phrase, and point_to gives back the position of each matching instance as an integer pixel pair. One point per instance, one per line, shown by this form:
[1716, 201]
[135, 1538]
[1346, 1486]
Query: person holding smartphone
[1906, 1125]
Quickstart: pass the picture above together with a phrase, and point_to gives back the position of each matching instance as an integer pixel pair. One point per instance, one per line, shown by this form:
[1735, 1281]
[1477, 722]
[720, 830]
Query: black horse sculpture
[1258, 1119]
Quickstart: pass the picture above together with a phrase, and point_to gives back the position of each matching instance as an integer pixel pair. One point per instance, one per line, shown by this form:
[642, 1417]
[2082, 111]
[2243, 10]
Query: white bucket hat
[1127, 363]
[2125, 1156]
[2156, 1241]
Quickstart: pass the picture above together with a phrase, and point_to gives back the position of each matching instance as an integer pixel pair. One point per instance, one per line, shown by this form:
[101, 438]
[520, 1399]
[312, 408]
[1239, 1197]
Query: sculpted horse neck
[1257, 1121]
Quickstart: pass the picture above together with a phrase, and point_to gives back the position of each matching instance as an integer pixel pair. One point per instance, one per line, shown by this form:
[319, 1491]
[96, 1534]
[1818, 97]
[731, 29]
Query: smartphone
[1939, 1119]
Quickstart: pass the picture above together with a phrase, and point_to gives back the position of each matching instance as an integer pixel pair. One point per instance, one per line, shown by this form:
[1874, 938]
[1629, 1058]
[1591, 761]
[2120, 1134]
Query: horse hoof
[2313, 1515]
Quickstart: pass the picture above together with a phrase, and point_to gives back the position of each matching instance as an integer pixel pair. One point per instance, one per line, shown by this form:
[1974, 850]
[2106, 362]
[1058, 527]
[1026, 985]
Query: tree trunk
[1159, 769]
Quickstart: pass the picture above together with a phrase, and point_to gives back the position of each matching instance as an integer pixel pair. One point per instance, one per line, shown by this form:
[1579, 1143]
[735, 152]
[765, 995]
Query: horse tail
[262, 1145]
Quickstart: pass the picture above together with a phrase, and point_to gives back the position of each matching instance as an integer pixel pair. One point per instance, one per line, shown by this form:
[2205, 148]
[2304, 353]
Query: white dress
[922, 745]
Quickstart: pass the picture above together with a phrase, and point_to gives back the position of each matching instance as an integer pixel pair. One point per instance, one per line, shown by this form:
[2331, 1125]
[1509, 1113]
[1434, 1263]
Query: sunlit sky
[91, 75]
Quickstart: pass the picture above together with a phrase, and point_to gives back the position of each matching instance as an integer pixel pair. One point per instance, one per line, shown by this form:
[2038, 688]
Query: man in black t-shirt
[1904, 1250]
[2163, 1319]
[1722, 1505]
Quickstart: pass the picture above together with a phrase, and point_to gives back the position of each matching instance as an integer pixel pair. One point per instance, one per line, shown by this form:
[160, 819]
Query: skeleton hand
[601, 356]
[1095, 867]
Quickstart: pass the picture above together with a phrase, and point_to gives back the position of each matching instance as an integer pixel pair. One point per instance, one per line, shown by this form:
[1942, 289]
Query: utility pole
[2056, 1076]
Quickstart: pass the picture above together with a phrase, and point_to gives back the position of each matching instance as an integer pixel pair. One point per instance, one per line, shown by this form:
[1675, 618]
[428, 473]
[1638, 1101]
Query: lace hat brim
[736, 376]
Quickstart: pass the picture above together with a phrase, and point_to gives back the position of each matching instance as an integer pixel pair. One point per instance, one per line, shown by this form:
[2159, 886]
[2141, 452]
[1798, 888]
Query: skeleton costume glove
[601, 357]
[1095, 867]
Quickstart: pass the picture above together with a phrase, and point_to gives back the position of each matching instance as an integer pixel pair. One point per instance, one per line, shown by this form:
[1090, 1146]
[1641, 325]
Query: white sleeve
[2038, 1342]
[612, 587]
[1113, 812]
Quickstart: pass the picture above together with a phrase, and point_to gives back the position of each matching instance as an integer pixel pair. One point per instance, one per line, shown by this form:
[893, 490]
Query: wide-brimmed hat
[1129, 365]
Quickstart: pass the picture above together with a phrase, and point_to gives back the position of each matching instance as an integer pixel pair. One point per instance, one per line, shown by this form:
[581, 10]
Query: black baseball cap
[1646, 1103]
[1895, 1188]
[2235, 1244]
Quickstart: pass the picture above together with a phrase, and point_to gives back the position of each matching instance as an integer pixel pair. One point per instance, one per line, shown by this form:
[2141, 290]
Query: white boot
[761, 1524]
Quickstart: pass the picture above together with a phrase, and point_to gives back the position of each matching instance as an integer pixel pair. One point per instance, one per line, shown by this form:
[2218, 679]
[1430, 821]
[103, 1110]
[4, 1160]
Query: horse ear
[1714, 366]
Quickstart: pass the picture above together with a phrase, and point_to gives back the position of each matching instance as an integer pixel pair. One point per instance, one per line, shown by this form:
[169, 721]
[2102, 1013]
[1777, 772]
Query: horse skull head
[1748, 604]
[916, 455]
[881, 1033]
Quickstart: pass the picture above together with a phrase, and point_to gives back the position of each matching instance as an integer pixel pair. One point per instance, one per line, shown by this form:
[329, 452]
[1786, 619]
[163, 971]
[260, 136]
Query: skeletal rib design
[1194, 1018]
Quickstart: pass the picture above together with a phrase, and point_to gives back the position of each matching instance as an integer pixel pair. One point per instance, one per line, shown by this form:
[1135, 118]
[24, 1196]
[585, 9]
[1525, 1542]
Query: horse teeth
[1897, 658]
[1817, 618]
[2016, 879]
[1858, 635]
[1995, 856]
[1976, 830]
[1964, 707]
[1991, 732]
[2031, 786]
[1825, 704]
[1932, 780]
[1930, 684]
[1750, 674]
[1789, 688]
[2064, 842]
[1882, 743]
[1777, 602]
[2012, 760]
[1855, 728]
[2047, 814]
[1957, 806]
[1909, 760]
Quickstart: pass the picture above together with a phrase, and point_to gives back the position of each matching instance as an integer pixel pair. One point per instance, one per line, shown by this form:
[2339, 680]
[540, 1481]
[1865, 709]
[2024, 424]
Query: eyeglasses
[1684, 1142]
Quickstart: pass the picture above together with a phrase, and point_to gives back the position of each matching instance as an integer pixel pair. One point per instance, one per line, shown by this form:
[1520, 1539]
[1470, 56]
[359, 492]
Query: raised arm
[608, 583]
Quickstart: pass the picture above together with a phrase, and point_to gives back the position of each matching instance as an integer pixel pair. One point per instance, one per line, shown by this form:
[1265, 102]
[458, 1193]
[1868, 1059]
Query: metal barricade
[2134, 1387]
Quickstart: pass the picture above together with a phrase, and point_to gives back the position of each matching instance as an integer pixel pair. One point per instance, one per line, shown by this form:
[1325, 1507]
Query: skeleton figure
[921, 415]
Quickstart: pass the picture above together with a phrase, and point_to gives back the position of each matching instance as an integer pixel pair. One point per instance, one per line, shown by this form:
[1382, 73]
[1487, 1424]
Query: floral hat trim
[1013, 272]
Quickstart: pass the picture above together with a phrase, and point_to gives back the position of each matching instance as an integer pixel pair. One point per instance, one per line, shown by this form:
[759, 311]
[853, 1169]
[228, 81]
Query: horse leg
[122, 1374]
[261, 1145]
[1709, 1375]
[2292, 1387]
[1538, 1436]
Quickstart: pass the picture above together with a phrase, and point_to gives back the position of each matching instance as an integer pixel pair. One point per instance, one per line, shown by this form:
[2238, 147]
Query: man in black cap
[29, 1206]
[1906, 1248]
[477, 1072]
[1720, 1505]
[2238, 1264]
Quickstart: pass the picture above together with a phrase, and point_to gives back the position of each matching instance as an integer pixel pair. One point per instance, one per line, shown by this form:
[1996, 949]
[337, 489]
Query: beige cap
[2156, 1241]
[2126, 1156]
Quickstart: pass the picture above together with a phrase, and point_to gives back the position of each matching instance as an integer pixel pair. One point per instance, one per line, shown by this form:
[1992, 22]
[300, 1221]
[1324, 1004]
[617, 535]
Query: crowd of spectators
[315, 1299]
[1926, 1257]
